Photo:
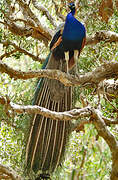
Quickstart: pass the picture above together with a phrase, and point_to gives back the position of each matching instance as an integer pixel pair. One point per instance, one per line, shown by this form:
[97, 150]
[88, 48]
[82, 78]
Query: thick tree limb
[39, 32]
[67, 115]
[28, 14]
[103, 130]
[36, 30]
[18, 30]
[27, 31]
[96, 118]
[105, 71]
[33, 28]
[107, 36]
[110, 140]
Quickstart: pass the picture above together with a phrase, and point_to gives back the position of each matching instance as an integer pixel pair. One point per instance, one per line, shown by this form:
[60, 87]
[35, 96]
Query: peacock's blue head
[72, 7]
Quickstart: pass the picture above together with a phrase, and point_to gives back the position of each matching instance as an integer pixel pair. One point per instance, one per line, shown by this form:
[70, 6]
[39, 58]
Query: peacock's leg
[67, 59]
[76, 53]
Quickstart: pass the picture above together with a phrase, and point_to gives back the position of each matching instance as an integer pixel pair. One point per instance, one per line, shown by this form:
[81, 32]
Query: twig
[109, 121]
[45, 11]
[105, 97]
[17, 48]
[83, 161]
[80, 126]
[57, 11]
[7, 54]
[10, 124]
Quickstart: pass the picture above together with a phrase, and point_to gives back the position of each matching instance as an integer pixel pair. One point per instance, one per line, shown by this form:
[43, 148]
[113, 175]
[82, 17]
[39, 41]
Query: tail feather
[36, 126]
[50, 131]
[54, 142]
[48, 138]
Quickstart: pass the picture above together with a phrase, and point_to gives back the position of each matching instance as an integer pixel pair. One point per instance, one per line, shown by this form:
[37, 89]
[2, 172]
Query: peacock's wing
[47, 138]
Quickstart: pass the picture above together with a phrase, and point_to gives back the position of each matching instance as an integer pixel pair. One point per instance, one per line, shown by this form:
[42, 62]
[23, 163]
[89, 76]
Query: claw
[76, 53]
[67, 59]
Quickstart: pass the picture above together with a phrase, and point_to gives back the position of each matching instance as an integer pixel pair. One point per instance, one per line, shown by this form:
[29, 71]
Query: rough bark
[105, 71]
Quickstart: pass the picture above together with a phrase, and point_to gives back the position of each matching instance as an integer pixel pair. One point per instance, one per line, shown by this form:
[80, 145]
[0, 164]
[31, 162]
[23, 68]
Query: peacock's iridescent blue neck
[73, 12]
[73, 29]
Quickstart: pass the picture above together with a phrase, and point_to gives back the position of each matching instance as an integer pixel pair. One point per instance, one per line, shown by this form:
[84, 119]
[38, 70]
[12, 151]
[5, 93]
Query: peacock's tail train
[47, 138]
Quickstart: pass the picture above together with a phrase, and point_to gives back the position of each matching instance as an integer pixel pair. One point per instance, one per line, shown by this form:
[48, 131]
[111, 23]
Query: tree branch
[107, 36]
[109, 88]
[65, 116]
[34, 27]
[9, 123]
[45, 11]
[7, 54]
[30, 16]
[37, 31]
[103, 130]
[8, 172]
[94, 114]
[17, 48]
[58, 11]
[109, 121]
[105, 71]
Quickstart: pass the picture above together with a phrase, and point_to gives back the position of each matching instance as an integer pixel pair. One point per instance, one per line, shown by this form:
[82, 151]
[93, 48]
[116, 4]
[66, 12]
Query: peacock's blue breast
[73, 29]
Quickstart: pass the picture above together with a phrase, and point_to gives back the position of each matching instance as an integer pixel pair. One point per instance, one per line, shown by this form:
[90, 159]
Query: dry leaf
[106, 10]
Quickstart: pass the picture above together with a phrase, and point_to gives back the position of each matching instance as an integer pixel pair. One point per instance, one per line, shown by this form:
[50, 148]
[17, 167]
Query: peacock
[68, 42]
[47, 138]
